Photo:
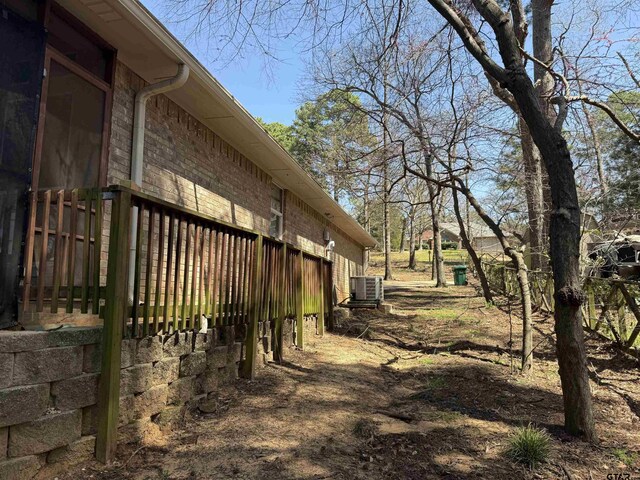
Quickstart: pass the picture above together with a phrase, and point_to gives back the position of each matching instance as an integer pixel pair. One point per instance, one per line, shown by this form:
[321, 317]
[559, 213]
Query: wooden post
[591, 308]
[278, 348]
[633, 306]
[115, 308]
[300, 302]
[329, 294]
[321, 300]
[251, 342]
[622, 321]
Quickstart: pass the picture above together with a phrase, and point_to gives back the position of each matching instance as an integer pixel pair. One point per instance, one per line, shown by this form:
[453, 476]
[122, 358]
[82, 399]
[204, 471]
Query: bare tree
[565, 218]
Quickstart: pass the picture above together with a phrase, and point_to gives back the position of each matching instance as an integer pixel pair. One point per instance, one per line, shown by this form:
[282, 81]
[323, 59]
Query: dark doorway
[22, 46]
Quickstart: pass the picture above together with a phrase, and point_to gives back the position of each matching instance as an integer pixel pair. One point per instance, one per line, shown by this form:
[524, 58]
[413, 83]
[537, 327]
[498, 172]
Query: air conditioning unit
[366, 289]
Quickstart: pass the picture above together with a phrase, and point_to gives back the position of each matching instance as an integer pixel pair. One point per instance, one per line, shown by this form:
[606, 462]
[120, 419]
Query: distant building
[483, 239]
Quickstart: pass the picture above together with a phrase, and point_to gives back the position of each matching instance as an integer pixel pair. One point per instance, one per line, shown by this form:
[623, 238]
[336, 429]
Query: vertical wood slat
[221, 268]
[148, 273]
[194, 276]
[210, 266]
[232, 293]
[176, 276]
[97, 247]
[57, 251]
[227, 285]
[201, 285]
[243, 282]
[216, 278]
[42, 266]
[264, 297]
[86, 253]
[266, 291]
[320, 297]
[168, 276]
[73, 224]
[299, 290]
[278, 348]
[185, 285]
[159, 270]
[135, 308]
[248, 369]
[329, 295]
[237, 278]
[29, 249]
[117, 273]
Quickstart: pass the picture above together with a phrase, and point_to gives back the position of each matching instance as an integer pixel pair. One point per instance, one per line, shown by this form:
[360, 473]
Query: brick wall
[188, 164]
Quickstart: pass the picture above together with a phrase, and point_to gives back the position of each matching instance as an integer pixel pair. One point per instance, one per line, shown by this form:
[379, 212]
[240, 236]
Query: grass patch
[529, 445]
[628, 458]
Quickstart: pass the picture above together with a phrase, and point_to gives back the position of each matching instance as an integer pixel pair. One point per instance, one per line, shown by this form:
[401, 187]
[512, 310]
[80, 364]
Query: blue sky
[271, 88]
[270, 92]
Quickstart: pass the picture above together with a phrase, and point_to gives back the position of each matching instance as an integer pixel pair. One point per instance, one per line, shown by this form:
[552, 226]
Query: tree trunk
[522, 275]
[527, 321]
[412, 240]
[388, 273]
[564, 226]
[544, 84]
[535, 197]
[366, 214]
[466, 242]
[564, 232]
[564, 235]
[438, 258]
[403, 233]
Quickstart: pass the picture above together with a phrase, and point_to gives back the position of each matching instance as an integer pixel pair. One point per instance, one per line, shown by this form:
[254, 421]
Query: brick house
[202, 150]
[147, 216]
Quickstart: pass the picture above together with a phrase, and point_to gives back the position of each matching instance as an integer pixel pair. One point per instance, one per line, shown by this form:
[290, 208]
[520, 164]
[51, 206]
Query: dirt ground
[430, 391]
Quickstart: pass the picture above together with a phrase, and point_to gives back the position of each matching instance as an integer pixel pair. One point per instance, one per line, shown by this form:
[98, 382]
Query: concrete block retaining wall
[49, 390]
[49, 387]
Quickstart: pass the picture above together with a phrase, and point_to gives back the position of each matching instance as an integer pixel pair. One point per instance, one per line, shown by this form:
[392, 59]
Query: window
[72, 137]
[72, 141]
[275, 228]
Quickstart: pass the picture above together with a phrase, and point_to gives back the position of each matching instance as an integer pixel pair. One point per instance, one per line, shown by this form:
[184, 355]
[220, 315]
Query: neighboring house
[70, 76]
[482, 238]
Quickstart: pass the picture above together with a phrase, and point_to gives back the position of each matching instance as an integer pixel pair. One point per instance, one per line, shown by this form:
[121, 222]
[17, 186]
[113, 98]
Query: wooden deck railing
[187, 268]
[611, 308]
[63, 252]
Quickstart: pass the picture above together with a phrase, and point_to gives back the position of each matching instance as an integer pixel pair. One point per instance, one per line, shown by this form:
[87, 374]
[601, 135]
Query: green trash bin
[460, 275]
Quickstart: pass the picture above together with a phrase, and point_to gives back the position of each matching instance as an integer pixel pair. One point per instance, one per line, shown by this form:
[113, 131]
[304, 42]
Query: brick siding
[188, 164]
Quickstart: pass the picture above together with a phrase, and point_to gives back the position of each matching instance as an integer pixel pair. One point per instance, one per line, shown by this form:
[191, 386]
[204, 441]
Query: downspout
[137, 150]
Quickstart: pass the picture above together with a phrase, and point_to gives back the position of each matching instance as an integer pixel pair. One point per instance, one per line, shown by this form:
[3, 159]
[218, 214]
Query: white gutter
[137, 150]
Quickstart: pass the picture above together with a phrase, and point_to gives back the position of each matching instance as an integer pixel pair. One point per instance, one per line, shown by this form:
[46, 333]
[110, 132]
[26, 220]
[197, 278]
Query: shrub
[529, 445]
[449, 245]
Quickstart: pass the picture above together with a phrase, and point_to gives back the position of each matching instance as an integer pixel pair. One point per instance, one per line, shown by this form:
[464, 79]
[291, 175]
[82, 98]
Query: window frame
[51, 54]
[279, 214]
